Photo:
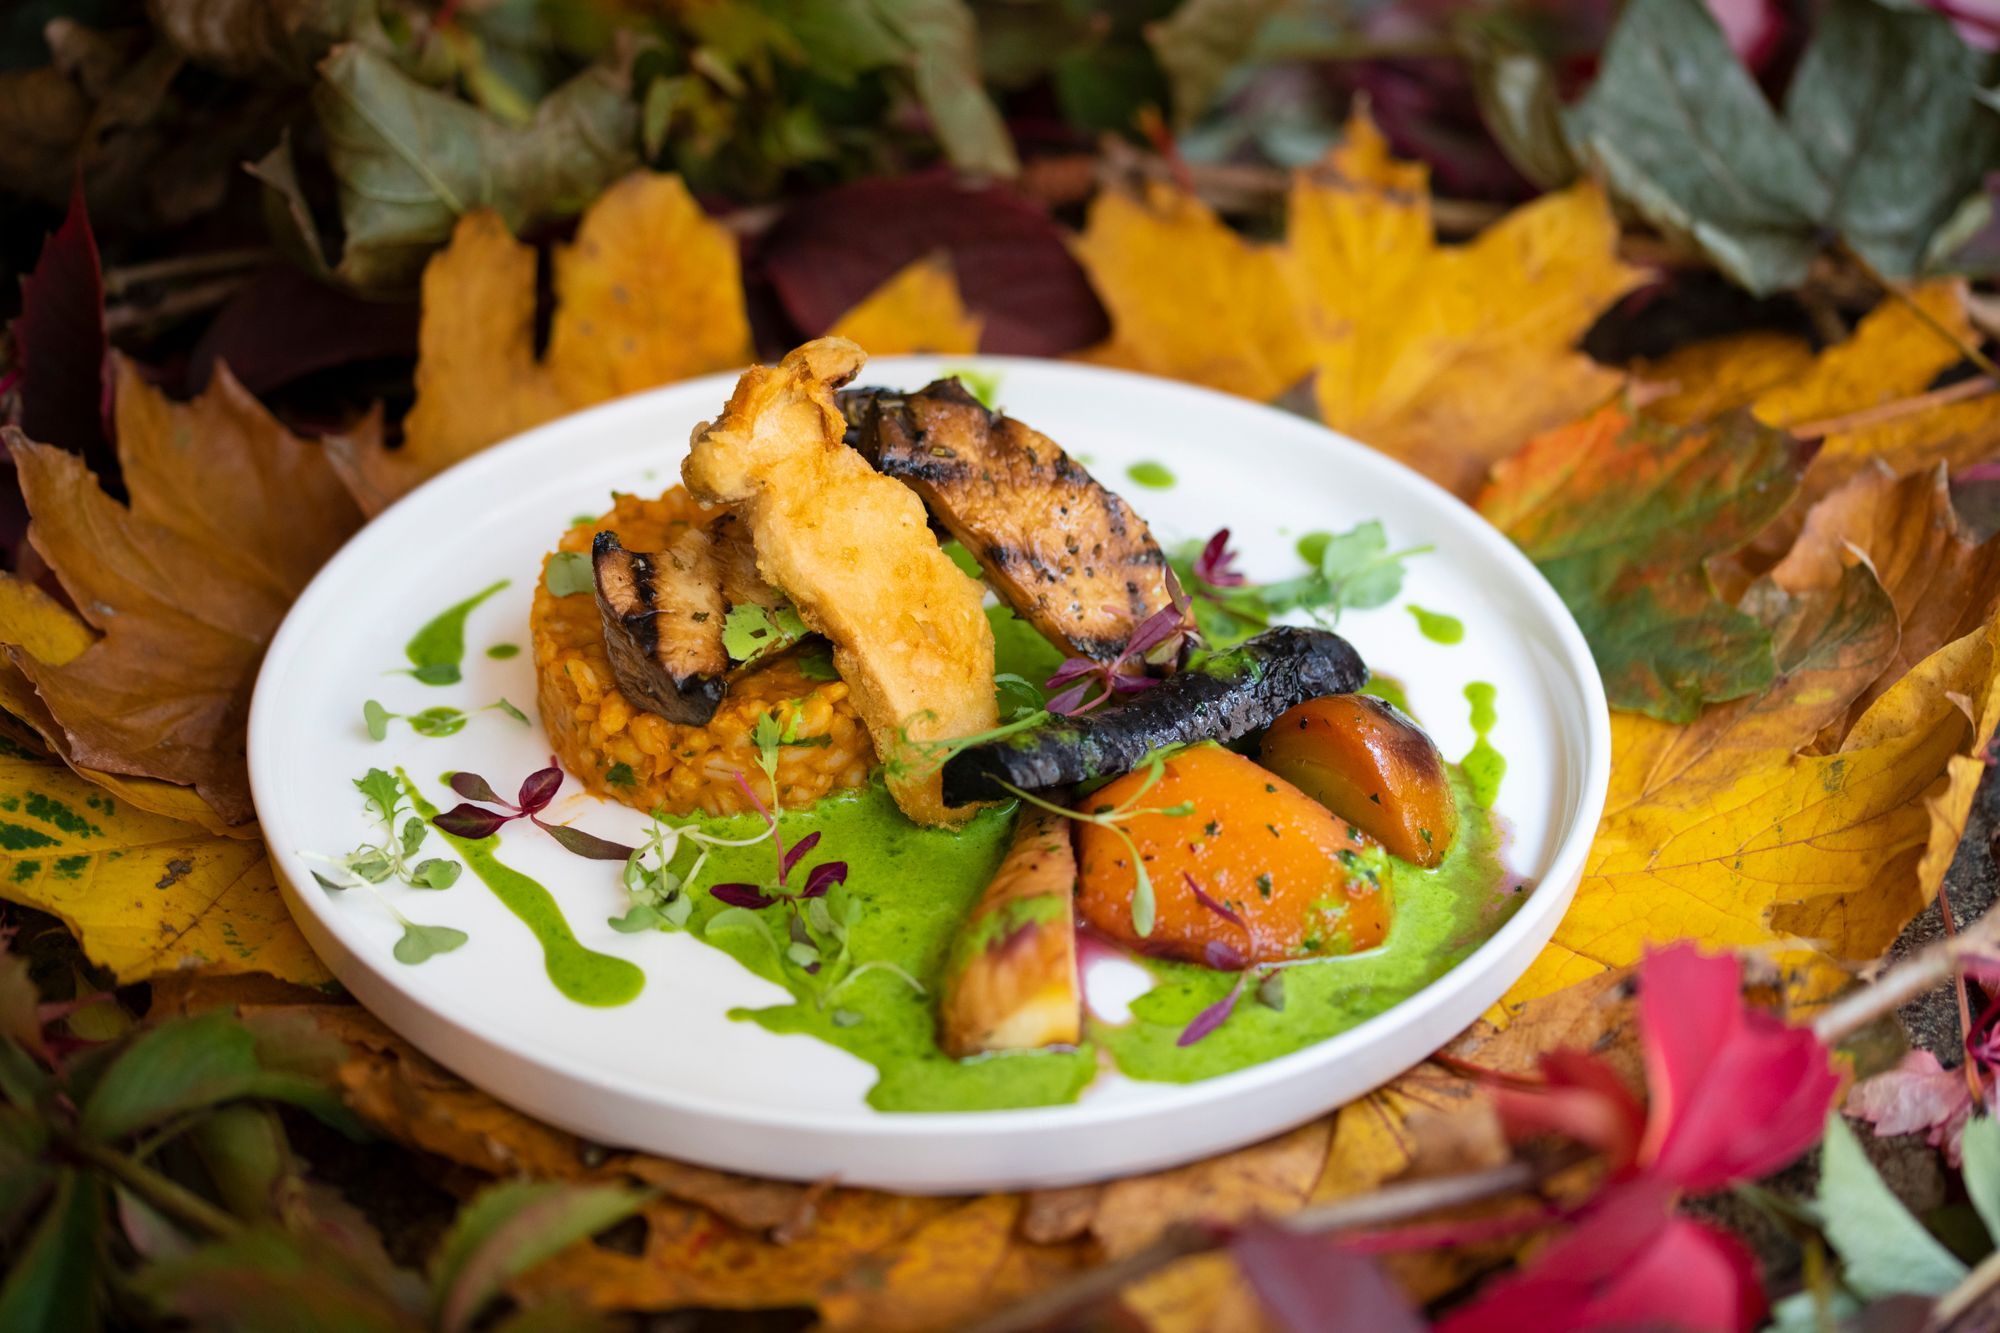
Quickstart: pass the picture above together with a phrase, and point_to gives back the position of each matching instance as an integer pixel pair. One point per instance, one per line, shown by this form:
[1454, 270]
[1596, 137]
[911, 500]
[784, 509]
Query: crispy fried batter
[853, 551]
[1065, 552]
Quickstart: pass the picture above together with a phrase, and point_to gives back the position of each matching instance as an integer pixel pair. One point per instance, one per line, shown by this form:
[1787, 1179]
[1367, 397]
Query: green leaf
[409, 160]
[1883, 1249]
[640, 917]
[376, 718]
[1881, 143]
[263, 1280]
[438, 721]
[1981, 1156]
[741, 920]
[1200, 43]
[435, 873]
[190, 1063]
[510, 1228]
[844, 38]
[420, 943]
[414, 832]
[513, 712]
[1516, 91]
[246, 1154]
[53, 1282]
[381, 791]
[943, 39]
[1622, 515]
[749, 631]
[569, 573]
[371, 864]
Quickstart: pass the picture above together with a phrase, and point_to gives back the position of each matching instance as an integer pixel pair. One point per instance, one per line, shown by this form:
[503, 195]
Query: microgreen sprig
[931, 755]
[1351, 571]
[372, 863]
[1144, 906]
[660, 897]
[439, 721]
[466, 820]
[1157, 645]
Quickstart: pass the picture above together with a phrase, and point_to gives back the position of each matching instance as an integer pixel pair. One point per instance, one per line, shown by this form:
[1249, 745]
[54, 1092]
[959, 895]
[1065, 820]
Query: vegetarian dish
[929, 727]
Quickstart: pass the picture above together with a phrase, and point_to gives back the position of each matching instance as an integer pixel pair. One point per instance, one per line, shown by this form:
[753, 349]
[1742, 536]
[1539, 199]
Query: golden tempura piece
[854, 551]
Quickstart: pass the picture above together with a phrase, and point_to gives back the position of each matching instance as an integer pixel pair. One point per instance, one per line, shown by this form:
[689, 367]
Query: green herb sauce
[438, 648]
[1437, 917]
[1484, 766]
[581, 974]
[503, 651]
[1437, 626]
[1154, 475]
[915, 886]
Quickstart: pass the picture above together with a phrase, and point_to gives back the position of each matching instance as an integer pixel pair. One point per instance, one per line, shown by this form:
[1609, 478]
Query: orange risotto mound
[644, 760]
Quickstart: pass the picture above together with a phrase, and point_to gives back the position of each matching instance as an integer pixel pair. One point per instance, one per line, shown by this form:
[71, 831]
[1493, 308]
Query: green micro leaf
[439, 721]
[376, 718]
[511, 711]
[381, 791]
[568, 574]
[1981, 1150]
[424, 942]
[435, 873]
[641, 916]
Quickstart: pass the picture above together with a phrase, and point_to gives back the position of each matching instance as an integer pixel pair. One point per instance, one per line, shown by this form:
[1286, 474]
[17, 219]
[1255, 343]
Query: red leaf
[61, 346]
[1918, 1094]
[1013, 266]
[1308, 1283]
[284, 325]
[1585, 1100]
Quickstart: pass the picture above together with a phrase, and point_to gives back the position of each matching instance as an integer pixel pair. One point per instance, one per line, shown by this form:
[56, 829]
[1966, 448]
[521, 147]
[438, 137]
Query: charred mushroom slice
[663, 614]
[1219, 698]
[1067, 554]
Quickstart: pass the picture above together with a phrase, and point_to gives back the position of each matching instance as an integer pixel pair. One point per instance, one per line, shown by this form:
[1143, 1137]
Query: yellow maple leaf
[1448, 357]
[143, 894]
[917, 310]
[648, 293]
[1189, 298]
[1705, 379]
[230, 516]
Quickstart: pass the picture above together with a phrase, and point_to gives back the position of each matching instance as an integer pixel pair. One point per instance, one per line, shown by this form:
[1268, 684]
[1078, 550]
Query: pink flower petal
[1918, 1096]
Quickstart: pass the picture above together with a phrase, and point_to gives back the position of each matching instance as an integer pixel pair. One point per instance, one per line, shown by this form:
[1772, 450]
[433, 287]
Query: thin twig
[1868, 417]
[1906, 981]
[183, 301]
[118, 281]
[1975, 1287]
[171, 1198]
[1971, 1067]
[1970, 351]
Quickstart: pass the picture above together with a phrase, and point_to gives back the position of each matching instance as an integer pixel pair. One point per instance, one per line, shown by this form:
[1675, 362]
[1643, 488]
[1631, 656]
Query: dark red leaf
[1013, 266]
[469, 821]
[284, 325]
[1213, 1017]
[1226, 913]
[540, 787]
[60, 346]
[1068, 702]
[587, 845]
[1216, 565]
[794, 852]
[1222, 956]
[823, 877]
[474, 788]
[740, 895]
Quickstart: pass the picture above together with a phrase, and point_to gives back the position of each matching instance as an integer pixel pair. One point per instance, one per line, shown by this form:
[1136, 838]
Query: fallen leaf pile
[1800, 636]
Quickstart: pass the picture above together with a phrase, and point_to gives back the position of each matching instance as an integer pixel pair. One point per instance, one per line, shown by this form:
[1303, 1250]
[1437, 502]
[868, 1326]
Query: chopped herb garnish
[749, 631]
[816, 663]
[1264, 884]
[621, 775]
[569, 573]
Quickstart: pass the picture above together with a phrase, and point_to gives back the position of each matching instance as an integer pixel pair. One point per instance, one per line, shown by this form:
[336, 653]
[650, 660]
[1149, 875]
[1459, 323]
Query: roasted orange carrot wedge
[1370, 765]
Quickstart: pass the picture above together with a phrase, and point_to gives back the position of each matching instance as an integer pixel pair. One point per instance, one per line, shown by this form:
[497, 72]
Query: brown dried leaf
[231, 514]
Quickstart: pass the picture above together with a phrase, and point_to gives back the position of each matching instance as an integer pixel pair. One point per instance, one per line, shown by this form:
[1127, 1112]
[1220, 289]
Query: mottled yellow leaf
[1895, 351]
[648, 293]
[1706, 379]
[144, 895]
[1189, 298]
[1448, 357]
[916, 310]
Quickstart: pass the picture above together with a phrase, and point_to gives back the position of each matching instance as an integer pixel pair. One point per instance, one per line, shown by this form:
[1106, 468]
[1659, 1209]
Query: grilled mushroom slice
[663, 614]
[1067, 554]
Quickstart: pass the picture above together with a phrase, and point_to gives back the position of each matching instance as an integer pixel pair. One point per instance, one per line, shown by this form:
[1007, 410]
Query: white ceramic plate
[671, 1072]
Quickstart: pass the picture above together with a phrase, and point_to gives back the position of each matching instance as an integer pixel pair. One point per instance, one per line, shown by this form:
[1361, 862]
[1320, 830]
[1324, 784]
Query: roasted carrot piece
[1371, 765]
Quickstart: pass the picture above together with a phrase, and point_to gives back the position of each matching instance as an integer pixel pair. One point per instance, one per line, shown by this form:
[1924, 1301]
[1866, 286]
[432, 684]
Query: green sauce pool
[584, 975]
[436, 650]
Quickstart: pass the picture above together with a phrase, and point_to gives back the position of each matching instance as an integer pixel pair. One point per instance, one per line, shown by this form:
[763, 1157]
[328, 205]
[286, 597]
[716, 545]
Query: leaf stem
[1894, 291]
[168, 1196]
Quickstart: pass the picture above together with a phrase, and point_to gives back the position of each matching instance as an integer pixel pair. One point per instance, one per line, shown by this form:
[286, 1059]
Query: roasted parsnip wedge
[1011, 981]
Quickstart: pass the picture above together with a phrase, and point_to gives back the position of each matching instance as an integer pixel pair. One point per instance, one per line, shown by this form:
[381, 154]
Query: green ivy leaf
[510, 1228]
[53, 1282]
[191, 1063]
[943, 41]
[1883, 1249]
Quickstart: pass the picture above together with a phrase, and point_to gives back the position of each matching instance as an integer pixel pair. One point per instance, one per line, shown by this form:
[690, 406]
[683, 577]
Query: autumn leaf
[1724, 834]
[917, 310]
[1622, 514]
[143, 894]
[648, 293]
[230, 516]
[1448, 357]
[1190, 298]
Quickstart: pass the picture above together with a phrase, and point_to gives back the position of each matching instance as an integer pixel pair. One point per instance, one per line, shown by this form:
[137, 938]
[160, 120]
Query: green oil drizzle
[582, 974]
[436, 650]
[1154, 475]
[1437, 917]
[1484, 766]
[503, 651]
[1437, 626]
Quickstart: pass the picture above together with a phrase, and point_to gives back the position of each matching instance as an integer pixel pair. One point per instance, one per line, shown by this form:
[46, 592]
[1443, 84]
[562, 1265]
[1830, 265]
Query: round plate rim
[1524, 934]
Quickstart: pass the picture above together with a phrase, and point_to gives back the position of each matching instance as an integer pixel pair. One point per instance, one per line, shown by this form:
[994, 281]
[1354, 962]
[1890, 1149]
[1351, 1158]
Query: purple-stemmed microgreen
[1216, 565]
[1270, 991]
[661, 899]
[467, 820]
[819, 914]
[434, 722]
[1157, 643]
[372, 863]
[1144, 907]
[1222, 910]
